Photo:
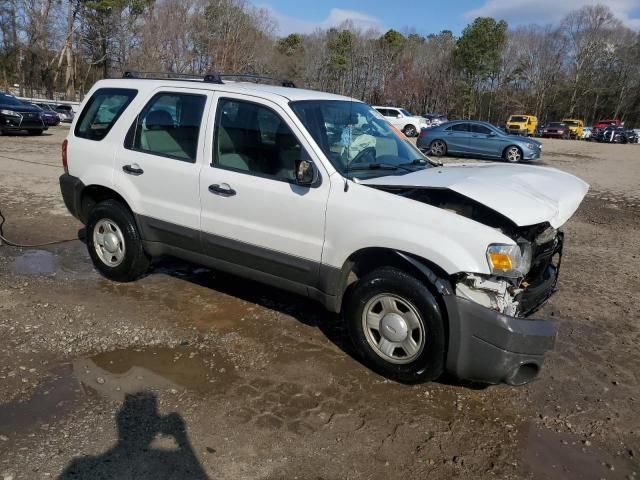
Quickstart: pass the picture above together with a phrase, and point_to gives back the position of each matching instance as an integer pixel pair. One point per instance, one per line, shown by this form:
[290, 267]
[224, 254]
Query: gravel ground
[188, 373]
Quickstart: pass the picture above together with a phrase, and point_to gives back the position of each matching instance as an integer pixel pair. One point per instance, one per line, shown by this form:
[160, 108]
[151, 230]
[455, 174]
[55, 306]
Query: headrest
[158, 119]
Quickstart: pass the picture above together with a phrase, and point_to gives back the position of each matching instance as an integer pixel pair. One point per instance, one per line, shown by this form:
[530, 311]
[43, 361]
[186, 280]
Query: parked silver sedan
[479, 139]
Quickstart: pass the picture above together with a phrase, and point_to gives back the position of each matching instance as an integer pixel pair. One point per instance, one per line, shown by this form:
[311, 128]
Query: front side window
[356, 139]
[169, 126]
[254, 139]
[102, 111]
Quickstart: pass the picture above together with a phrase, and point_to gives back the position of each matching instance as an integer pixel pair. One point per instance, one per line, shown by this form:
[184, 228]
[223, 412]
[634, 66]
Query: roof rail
[187, 77]
[211, 77]
[252, 76]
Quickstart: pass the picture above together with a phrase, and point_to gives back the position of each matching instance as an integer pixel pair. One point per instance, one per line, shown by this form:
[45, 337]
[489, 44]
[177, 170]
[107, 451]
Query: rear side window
[102, 111]
[169, 126]
[459, 127]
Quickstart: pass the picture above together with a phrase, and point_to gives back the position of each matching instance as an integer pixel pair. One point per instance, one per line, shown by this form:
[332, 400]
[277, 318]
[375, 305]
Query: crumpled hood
[525, 194]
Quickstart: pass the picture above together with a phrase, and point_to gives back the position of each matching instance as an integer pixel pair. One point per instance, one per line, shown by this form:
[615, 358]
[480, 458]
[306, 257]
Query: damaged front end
[517, 289]
[518, 295]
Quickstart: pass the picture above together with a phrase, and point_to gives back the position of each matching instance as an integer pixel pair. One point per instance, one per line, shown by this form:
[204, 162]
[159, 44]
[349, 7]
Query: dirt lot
[188, 373]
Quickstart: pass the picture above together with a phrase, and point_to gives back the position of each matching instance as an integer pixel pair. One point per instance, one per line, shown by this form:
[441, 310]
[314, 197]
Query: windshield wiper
[379, 166]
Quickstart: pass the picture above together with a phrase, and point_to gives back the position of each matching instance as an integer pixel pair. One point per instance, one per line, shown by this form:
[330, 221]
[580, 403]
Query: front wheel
[438, 148]
[410, 131]
[396, 326]
[512, 154]
[114, 242]
[35, 132]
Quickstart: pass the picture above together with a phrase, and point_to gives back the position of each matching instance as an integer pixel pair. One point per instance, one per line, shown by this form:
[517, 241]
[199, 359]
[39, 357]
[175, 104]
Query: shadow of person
[134, 457]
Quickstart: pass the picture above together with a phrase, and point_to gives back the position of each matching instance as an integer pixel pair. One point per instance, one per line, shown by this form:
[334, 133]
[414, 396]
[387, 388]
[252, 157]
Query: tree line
[587, 66]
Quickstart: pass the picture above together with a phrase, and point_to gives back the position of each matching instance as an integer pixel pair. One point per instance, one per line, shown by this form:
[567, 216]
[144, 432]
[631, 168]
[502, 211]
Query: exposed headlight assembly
[508, 260]
[10, 113]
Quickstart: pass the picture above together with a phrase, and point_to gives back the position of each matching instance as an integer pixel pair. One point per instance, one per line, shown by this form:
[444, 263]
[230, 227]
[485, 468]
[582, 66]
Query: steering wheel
[368, 155]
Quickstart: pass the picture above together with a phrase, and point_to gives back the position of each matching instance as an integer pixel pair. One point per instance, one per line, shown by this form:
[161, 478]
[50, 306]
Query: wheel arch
[94, 194]
[366, 260]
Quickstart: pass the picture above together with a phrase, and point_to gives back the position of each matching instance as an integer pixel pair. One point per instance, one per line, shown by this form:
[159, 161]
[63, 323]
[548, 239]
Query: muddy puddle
[113, 375]
[562, 456]
[69, 260]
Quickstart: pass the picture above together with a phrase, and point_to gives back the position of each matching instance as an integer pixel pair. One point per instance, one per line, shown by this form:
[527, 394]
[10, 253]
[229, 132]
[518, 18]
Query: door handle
[223, 189]
[133, 169]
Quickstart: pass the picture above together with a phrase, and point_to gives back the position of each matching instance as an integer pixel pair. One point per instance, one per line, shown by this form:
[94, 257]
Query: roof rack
[212, 77]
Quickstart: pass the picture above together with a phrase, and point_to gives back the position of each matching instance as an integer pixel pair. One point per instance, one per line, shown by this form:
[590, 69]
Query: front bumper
[531, 153]
[27, 121]
[489, 347]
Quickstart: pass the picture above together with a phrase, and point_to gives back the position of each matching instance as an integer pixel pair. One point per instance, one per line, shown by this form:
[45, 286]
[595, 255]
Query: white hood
[525, 194]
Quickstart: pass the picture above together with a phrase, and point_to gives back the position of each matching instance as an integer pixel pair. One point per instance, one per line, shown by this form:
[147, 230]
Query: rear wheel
[35, 132]
[410, 131]
[512, 154]
[438, 148]
[114, 242]
[396, 326]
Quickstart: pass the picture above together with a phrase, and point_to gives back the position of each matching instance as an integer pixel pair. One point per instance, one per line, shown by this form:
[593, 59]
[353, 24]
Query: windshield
[356, 138]
[570, 122]
[9, 100]
[517, 118]
[406, 112]
[557, 124]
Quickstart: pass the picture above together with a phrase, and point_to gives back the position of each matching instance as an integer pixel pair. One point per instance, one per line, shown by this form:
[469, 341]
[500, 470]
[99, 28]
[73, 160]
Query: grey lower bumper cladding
[71, 189]
[486, 346]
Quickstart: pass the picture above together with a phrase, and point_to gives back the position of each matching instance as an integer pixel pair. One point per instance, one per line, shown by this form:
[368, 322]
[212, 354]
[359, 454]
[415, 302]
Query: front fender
[365, 217]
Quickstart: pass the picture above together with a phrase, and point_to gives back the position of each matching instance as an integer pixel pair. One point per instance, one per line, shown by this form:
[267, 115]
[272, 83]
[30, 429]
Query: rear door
[158, 165]
[457, 137]
[254, 215]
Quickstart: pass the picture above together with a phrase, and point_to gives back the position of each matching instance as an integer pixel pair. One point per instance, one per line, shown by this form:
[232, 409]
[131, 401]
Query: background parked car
[17, 116]
[470, 137]
[522, 125]
[403, 120]
[615, 134]
[49, 117]
[586, 133]
[606, 123]
[435, 119]
[556, 130]
[66, 113]
[575, 127]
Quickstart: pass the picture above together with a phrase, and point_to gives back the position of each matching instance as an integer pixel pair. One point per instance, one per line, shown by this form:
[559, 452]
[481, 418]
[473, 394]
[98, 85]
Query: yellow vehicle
[575, 127]
[522, 125]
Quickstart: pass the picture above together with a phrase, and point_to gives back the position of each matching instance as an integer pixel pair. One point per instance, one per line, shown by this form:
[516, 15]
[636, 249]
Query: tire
[512, 154]
[120, 256]
[404, 297]
[438, 148]
[410, 131]
[35, 132]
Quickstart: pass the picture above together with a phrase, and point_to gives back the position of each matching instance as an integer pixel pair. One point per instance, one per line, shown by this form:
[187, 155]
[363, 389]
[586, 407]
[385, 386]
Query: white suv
[403, 120]
[433, 267]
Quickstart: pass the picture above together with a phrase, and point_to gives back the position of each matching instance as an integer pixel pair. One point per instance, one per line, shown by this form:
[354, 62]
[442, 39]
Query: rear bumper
[490, 347]
[71, 188]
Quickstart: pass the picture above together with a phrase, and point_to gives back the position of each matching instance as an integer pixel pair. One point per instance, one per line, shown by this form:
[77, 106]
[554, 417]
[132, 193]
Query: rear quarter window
[102, 112]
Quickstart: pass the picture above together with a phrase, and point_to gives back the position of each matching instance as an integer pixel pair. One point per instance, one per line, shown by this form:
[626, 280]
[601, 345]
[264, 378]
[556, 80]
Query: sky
[429, 16]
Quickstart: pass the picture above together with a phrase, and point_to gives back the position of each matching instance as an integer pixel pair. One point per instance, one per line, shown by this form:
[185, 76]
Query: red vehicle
[556, 130]
[607, 123]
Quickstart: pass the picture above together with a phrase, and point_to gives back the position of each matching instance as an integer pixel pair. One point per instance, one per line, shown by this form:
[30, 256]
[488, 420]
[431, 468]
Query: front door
[253, 213]
[483, 141]
[158, 167]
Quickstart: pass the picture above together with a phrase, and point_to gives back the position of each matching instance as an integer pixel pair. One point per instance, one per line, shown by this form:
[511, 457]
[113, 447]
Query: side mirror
[306, 173]
[399, 115]
[491, 134]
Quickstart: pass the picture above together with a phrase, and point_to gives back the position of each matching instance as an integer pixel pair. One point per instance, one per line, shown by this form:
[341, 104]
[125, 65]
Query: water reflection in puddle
[35, 262]
[113, 375]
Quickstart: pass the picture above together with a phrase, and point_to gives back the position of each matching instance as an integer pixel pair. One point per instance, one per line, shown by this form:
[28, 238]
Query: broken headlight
[508, 260]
